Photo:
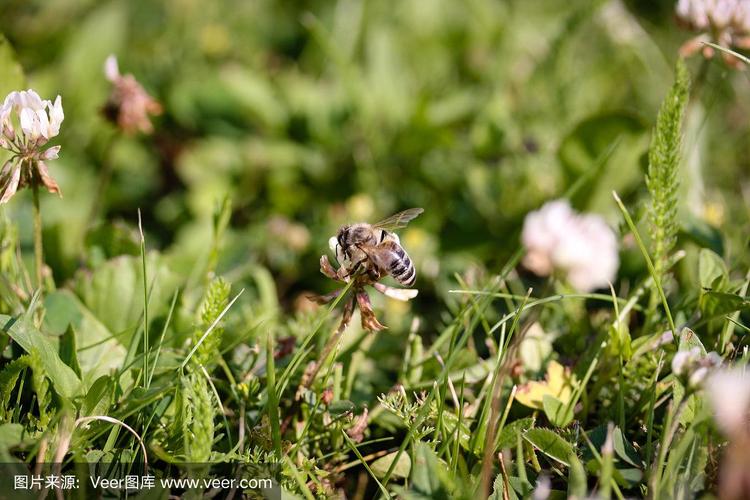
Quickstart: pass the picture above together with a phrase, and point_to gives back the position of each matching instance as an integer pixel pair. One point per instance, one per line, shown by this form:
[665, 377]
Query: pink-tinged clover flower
[728, 390]
[27, 123]
[580, 247]
[129, 105]
[723, 22]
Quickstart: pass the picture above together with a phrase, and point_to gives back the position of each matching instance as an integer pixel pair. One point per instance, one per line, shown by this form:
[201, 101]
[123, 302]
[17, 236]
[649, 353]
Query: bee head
[343, 235]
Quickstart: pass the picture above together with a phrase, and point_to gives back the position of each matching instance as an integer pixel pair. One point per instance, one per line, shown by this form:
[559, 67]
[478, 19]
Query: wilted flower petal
[13, 176]
[129, 105]
[47, 180]
[369, 321]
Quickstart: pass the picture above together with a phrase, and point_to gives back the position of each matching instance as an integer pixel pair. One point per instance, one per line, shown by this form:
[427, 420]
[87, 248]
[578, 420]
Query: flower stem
[38, 250]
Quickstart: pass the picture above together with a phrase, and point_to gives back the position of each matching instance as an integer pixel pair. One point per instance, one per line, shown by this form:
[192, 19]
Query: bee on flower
[366, 253]
[582, 248]
[129, 105]
[28, 123]
[723, 22]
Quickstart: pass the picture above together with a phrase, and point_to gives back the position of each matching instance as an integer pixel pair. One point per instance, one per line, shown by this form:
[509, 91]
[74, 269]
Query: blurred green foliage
[312, 114]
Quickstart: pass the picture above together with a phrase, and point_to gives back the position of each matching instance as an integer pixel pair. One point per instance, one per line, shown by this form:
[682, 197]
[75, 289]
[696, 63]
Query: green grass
[172, 327]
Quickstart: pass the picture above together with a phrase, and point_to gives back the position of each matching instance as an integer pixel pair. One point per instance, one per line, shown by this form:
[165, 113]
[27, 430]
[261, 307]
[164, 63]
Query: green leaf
[558, 413]
[576, 478]
[689, 339]
[715, 304]
[340, 407]
[712, 271]
[12, 73]
[10, 435]
[624, 449]
[509, 435]
[68, 350]
[549, 443]
[98, 396]
[64, 379]
[381, 465]
[426, 473]
[113, 292]
[98, 351]
[498, 489]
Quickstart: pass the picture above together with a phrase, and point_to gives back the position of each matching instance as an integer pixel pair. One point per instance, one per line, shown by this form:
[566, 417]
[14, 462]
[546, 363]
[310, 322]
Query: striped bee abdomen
[401, 266]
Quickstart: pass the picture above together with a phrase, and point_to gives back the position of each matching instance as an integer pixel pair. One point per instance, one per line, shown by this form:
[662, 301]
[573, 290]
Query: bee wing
[399, 220]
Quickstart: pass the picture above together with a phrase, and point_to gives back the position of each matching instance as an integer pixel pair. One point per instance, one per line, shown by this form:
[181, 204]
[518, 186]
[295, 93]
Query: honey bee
[374, 249]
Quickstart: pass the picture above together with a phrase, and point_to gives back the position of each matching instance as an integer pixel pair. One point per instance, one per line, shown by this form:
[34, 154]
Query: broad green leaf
[576, 478]
[63, 377]
[450, 420]
[498, 489]
[715, 304]
[549, 443]
[624, 449]
[340, 407]
[10, 435]
[689, 339]
[426, 473]
[509, 435]
[98, 396]
[113, 293]
[381, 465]
[68, 350]
[99, 351]
[558, 413]
[712, 271]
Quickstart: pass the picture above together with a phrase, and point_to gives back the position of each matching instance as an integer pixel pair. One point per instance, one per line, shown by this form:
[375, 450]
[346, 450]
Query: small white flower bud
[51, 153]
[680, 362]
[697, 377]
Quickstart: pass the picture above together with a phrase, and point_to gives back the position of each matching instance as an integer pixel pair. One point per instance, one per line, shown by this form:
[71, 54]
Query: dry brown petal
[47, 179]
[327, 397]
[327, 269]
[10, 186]
[285, 347]
[324, 299]
[130, 105]
[357, 431]
[369, 321]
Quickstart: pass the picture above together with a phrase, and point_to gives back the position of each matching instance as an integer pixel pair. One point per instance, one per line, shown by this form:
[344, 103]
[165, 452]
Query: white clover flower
[27, 123]
[728, 391]
[683, 359]
[724, 22]
[581, 246]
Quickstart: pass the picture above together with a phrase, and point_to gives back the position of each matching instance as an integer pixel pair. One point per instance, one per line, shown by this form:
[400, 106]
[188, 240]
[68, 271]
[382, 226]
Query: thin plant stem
[38, 249]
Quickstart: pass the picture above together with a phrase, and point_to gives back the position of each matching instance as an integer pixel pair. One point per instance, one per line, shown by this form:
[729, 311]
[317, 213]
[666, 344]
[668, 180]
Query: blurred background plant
[280, 121]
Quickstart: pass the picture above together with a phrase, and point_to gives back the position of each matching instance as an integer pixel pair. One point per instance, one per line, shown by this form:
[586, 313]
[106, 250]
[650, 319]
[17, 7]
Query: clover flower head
[129, 105]
[728, 391]
[694, 367]
[724, 22]
[582, 247]
[27, 123]
[360, 297]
